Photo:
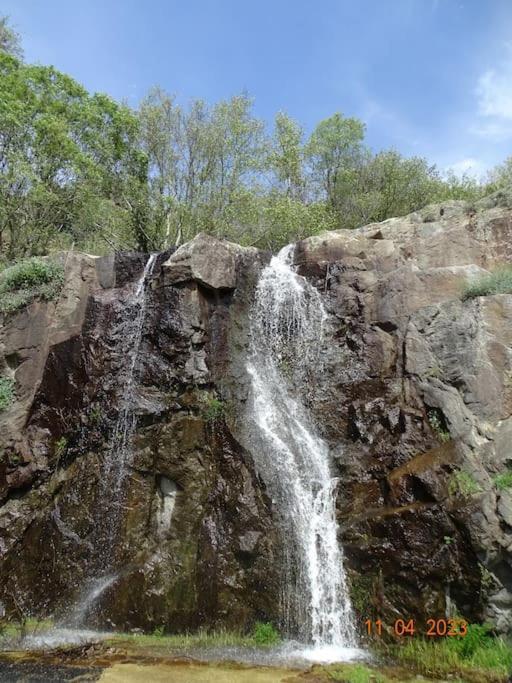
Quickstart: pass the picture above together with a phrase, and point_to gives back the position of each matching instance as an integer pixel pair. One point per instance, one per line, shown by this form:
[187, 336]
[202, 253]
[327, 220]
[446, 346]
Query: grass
[27, 280]
[503, 481]
[476, 657]
[214, 410]
[12, 631]
[353, 673]
[499, 282]
[263, 635]
[6, 392]
[463, 484]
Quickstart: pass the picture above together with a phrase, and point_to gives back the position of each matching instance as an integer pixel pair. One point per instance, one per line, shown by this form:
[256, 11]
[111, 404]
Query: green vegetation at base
[499, 282]
[476, 657]
[262, 635]
[265, 634]
[6, 392]
[14, 631]
[354, 673]
[27, 280]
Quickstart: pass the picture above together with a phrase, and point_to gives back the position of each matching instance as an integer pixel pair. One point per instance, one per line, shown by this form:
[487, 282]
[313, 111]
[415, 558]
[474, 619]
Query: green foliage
[361, 592]
[158, 632]
[503, 481]
[29, 279]
[64, 152]
[6, 392]
[499, 282]
[265, 634]
[10, 42]
[477, 637]
[487, 580]
[200, 639]
[475, 657]
[463, 484]
[95, 415]
[77, 168]
[436, 421]
[60, 447]
[214, 410]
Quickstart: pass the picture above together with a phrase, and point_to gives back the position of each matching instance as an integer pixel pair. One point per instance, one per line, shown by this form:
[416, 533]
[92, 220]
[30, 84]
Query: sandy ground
[192, 673]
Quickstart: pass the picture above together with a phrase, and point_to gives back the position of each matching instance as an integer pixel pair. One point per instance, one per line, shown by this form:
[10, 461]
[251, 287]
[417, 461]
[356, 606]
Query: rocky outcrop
[414, 396]
[195, 537]
[208, 261]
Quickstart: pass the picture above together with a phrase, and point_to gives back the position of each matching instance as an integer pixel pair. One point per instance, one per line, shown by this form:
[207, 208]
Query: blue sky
[429, 77]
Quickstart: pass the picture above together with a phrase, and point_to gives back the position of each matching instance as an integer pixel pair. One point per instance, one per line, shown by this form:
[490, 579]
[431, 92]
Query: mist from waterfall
[287, 323]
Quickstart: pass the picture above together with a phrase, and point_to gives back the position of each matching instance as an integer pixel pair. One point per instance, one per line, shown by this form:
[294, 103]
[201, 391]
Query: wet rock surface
[413, 394]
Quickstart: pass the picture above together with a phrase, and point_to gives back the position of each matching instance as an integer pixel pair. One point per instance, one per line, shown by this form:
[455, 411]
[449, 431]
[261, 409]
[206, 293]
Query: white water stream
[286, 330]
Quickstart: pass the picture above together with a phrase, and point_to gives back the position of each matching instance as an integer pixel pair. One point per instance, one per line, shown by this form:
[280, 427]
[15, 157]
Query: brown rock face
[414, 397]
[416, 403]
[193, 538]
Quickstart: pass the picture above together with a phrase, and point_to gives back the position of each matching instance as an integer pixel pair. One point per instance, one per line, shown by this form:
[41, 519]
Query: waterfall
[115, 465]
[108, 514]
[287, 321]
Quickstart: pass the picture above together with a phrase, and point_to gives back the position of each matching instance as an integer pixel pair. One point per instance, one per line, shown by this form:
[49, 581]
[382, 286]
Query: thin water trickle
[102, 572]
[286, 328]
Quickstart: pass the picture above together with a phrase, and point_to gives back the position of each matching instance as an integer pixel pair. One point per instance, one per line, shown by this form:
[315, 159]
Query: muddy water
[193, 673]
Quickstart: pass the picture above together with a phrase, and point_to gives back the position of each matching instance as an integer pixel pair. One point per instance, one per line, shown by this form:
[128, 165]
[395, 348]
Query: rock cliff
[414, 398]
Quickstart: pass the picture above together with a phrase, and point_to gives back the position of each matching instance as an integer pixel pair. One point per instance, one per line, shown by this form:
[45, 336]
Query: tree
[334, 152]
[10, 41]
[62, 152]
[501, 175]
[286, 157]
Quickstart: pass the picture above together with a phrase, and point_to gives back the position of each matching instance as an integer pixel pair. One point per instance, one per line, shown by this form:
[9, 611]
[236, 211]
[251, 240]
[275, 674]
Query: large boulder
[207, 260]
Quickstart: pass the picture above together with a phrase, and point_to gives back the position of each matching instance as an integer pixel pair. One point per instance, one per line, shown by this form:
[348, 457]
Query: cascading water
[115, 465]
[102, 571]
[286, 331]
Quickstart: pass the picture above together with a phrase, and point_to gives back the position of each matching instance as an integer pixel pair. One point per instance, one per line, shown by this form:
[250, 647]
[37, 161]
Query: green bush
[6, 392]
[265, 633]
[27, 280]
[503, 481]
[499, 282]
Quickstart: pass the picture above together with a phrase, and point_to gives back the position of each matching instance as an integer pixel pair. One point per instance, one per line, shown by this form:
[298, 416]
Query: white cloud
[470, 166]
[494, 98]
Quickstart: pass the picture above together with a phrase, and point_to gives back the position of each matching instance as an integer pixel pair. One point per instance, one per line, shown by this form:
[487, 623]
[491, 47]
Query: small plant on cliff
[214, 410]
[499, 282]
[95, 415]
[437, 423]
[6, 392]
[463, 484]
[265, 634]
[60, 448]
[27, 280]
[503, 481]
